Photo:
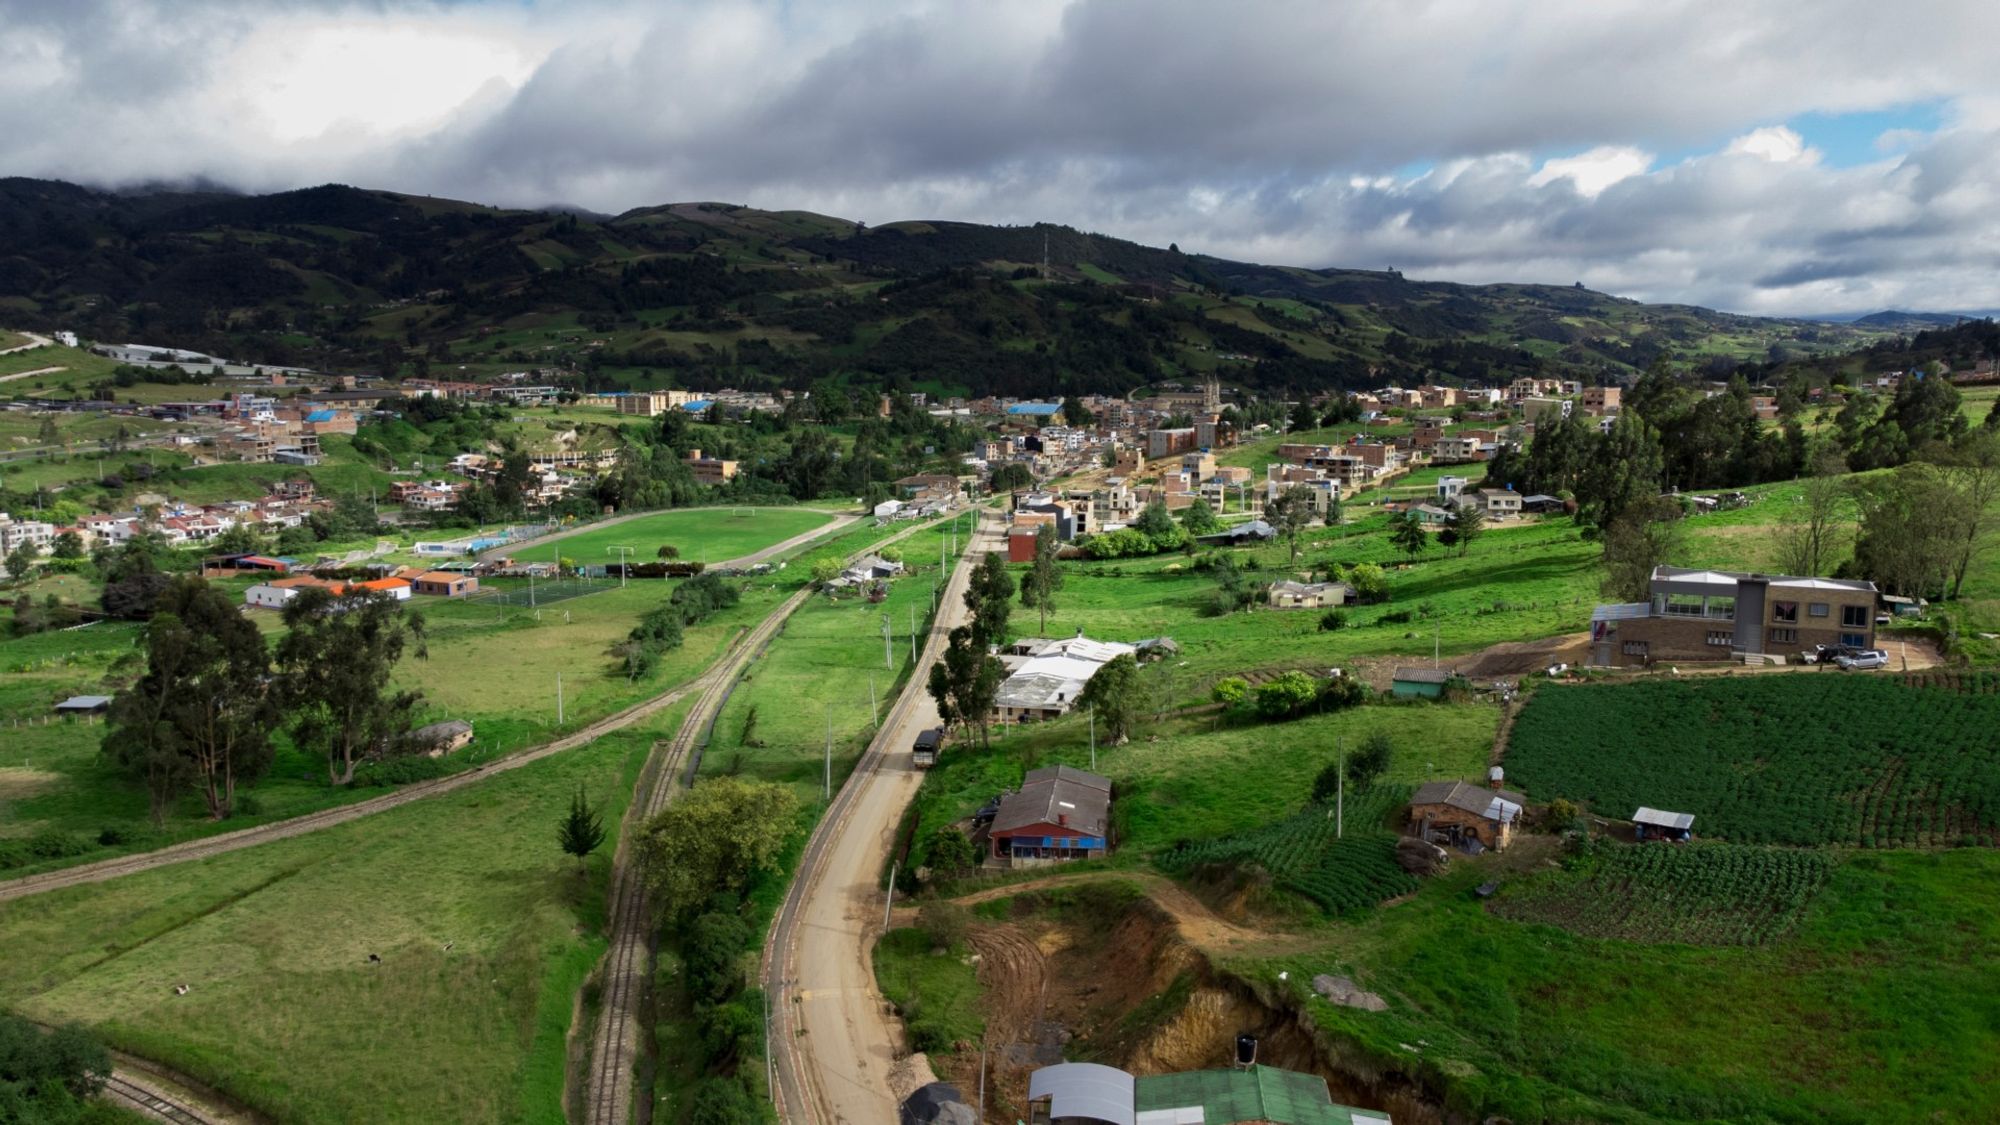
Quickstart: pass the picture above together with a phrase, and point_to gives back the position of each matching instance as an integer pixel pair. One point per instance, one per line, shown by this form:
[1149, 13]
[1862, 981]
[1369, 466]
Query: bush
[398, 771]
[248, 805]
[1289, 695]
[110, 837]
[944, 923]
[1331, 620]
[712, 953]
[1400, 617]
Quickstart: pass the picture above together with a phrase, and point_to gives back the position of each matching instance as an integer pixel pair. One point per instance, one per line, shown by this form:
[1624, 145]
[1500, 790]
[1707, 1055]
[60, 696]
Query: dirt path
[31, 374]
[837, 1053]
[34, 341]
[1199, 926]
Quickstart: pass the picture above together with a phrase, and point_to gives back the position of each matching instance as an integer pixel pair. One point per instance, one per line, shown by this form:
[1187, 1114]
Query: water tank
[1246, 1049]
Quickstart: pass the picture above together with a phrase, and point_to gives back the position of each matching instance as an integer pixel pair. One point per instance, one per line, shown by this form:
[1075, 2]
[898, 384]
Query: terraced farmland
[1342, 874]
[1708, 894]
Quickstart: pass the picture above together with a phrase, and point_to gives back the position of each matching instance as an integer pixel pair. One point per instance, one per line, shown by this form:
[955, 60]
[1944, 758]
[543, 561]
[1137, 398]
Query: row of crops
[1341, 873]
[1806, 759]
[1704, 894]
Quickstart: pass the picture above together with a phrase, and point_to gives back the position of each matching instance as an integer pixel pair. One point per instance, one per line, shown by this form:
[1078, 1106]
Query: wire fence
[544, 593]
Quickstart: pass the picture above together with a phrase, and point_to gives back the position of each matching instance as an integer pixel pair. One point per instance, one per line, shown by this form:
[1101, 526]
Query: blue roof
[320, 416]
[1034, 408]
[697, 407]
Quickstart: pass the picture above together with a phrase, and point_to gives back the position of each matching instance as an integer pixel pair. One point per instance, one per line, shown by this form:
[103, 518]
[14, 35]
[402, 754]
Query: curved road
[34, 341]
[835, 1050]
[327, 818]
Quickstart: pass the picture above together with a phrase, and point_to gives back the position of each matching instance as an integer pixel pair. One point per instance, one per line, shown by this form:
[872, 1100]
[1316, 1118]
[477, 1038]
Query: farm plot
[1708, 894]
[1807, 759]
[1342, 874]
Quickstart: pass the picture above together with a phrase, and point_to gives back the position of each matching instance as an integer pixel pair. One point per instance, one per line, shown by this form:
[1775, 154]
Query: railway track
[607, 1092]
[151, 1103]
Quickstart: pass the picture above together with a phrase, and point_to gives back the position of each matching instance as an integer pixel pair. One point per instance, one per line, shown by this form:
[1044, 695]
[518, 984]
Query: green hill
[706, 294]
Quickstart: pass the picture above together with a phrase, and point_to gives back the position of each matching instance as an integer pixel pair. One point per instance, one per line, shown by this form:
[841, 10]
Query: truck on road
[924, 754]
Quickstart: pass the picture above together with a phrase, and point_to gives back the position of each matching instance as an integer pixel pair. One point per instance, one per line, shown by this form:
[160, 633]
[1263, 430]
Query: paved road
[834, 1047]
[327, 818]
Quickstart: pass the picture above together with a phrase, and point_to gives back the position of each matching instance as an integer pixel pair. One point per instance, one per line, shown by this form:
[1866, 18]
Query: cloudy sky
[1813, 157]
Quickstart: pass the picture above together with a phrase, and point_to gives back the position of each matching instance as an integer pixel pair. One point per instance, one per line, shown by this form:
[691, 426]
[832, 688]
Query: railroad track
[151, 1103]
[607, 1093]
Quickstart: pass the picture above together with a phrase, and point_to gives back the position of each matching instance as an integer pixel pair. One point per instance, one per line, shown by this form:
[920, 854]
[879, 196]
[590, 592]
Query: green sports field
[710, 535]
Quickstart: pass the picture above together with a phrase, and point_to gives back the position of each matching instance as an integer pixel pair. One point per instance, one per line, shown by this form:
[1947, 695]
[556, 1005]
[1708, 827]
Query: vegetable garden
[1809, 759]
[1706, 894]
[1342, 874]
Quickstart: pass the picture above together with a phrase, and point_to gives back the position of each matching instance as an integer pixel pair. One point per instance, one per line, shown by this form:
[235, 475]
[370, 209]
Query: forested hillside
[707, 294]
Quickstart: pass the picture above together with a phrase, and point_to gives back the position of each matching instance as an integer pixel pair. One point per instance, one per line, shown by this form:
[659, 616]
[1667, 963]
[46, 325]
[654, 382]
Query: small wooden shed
[1658, 824]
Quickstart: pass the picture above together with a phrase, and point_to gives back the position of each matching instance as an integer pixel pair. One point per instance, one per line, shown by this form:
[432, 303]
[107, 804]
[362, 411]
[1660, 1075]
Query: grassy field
[496, 669]
[702, 534]
[815, 678]
[285, 1011]
[1520, 582]
[937, 994]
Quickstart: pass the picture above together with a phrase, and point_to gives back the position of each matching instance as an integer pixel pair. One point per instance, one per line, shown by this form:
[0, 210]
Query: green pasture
[274, 942]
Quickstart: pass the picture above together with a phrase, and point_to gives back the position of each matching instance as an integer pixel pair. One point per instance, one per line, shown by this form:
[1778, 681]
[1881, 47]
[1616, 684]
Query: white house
[266, 596]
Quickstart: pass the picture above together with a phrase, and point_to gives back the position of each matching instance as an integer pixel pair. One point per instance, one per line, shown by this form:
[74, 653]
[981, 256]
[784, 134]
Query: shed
[444, 584]
[438, 739]
[1082, 1091]
[1457, 812]
[84, 705]
[1658, 824]
[266, 596]
[1419, 683]
[1243, 1094]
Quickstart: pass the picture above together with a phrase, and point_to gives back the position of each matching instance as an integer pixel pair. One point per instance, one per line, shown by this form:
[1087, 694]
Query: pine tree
[581, 831]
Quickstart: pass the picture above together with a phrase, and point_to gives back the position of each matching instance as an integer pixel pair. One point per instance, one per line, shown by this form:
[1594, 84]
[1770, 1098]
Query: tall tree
[715, 838]
[1075, 413]
[1621, 468]
[1465, 524]
[202, 711]
[1972, 473]
[334, 665]
[989, 596]
[1811, 533]
[1117, 696]
[1289, 514]
[1643, 537]
[1908, 538]
[1557, 455]
[1044, 577]
[965, 681]
[1407, 533]
[1303, 417]
[1199, 519]
[581, 830]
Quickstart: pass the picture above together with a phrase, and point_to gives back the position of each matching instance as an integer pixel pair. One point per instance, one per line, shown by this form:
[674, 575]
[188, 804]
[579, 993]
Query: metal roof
[1085, 1090]
[1056, 794]
[84, 703]
[1658, 818]
[1422, 676]
[1257, 1093]
[1034, 408]
[1493, 804]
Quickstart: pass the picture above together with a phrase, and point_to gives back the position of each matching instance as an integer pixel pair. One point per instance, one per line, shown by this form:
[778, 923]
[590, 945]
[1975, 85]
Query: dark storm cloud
[1269, 131]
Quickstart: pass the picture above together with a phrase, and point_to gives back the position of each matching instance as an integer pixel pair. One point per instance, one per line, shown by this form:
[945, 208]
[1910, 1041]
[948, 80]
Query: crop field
[1344, 874]
[1704, 894]
[1811, 758]
[703, 534]
[484, 928]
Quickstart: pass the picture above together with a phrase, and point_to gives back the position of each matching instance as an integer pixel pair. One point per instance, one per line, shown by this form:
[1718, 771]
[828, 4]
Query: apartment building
[1599, 401]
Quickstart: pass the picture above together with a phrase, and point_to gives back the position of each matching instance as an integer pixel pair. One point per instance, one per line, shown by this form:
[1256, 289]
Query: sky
[1815, 157]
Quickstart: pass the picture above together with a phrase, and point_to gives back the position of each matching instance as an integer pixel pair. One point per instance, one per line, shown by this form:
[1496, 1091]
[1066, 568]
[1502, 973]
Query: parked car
[1556, 671]
[1871, 658]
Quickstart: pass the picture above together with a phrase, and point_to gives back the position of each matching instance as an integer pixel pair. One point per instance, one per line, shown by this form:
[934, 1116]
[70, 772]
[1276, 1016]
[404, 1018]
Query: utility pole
[1093, 738]
[890, 899]
[624, 557]
[1437, 633]
[874, 708]
[559, 699]
[913, 635]
[888, 631]
[829, 751]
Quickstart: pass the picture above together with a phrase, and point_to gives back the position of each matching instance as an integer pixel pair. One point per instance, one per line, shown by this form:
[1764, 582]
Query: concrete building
[1599, 401]
[1458, 813]
[1045, 677]
[1696, 615]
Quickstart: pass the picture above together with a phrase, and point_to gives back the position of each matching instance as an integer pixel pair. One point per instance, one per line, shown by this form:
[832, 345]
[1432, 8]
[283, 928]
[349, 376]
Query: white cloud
[1591, 172]
[1779, 144]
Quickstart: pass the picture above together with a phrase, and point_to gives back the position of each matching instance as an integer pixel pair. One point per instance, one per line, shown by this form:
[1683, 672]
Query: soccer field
[710, 535]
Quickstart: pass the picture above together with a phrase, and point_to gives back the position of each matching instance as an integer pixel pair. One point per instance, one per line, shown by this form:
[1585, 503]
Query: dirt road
[31, 374]
[327, 818]
[34, 341]
[835, 1050]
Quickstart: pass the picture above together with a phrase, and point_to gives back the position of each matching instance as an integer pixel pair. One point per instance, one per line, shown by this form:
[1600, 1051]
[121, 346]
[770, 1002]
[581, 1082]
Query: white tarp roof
[1660, 819]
